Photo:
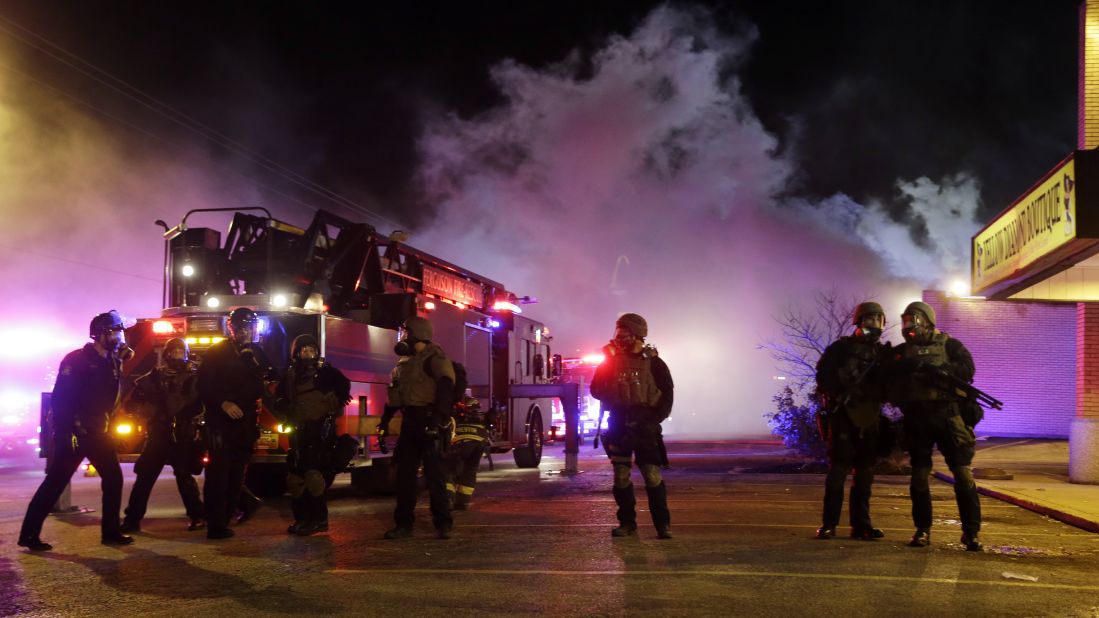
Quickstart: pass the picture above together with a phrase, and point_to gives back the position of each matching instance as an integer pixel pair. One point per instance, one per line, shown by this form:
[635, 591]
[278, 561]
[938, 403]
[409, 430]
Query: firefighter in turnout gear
[635, 385]
[422, 390]
[167, 399]
[230, 385]
[851, 392]
[932, 416]
[471, 439]
[84, 397]
[309, 397]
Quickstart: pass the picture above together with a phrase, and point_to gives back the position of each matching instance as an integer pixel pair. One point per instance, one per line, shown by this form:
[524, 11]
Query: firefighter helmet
[867, 308]
[633, 323]
[419, 329]
[923, 308]
[105, 322]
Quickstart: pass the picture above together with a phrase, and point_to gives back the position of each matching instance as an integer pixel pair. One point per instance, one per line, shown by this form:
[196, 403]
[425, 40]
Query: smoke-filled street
[538, 542]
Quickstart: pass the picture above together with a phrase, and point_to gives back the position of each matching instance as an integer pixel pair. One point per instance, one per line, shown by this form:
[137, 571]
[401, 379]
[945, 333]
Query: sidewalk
[1040, 483]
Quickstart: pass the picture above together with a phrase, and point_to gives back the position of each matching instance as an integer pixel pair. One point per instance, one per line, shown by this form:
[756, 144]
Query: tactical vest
[309, 404]
[864, 407]
[934, 354]
[633, 382]
[412, 385]
[180, 394]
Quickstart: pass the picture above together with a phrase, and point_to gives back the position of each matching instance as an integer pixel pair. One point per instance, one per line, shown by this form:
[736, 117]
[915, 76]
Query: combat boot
[972, 542]
[867, 534]
[658, 508]
[921, 538]
[400, 532]
[826, 532]
[197, 523]
[129, 526]
[312, 527]
[116, 538]
[34, 543]
[627, 515]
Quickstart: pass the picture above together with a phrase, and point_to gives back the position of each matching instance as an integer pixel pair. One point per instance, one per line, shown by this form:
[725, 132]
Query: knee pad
[963, 477]
[314, 482]
[295, 485]
[921, 479]
[621, 475]
[651, 474]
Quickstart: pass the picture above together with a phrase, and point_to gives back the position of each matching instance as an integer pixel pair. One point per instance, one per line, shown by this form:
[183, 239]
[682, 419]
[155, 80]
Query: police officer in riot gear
[471, 439]
[635, 385]
[422, 390]
[230, 384]
[168, 398]
[932, 416]
[84, 397]
[309, 397]
[851, 391]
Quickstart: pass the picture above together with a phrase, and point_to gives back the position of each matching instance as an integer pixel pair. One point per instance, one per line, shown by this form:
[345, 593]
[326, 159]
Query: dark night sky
[863, 93]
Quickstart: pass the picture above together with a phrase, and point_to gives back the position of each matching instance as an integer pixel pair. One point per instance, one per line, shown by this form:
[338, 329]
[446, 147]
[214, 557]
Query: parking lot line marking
[721, 573]
[952, 528]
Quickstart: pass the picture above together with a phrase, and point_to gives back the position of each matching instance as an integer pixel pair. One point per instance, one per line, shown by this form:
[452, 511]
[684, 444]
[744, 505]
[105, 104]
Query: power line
[187, 122]
[135, 127]
[23, 250]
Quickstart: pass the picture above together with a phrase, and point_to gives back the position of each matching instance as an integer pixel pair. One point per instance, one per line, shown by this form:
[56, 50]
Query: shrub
[797, 425]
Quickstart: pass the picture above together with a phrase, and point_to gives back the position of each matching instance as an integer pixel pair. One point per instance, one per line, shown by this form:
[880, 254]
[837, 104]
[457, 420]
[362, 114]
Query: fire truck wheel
[530, 454]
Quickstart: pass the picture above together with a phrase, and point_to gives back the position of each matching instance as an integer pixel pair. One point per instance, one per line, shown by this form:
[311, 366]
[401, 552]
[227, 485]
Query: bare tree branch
[805, 333]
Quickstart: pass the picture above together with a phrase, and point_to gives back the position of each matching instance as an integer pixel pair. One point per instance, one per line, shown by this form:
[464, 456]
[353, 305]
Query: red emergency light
[167, 327]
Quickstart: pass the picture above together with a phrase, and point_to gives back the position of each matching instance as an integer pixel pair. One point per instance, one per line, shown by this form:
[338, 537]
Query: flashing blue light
[494, 323]
[262, 326]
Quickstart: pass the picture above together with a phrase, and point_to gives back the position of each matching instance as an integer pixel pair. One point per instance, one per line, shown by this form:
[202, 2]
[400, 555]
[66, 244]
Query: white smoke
[650, 187]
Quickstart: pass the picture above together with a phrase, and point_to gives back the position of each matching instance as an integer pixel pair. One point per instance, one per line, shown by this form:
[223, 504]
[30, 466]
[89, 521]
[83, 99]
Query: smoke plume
[641, 180]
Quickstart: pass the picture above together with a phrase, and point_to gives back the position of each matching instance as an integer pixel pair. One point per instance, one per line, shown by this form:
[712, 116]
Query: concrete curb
[1030, 505]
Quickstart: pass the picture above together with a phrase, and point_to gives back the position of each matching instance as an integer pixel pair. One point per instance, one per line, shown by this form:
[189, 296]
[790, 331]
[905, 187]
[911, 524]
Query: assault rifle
[960, 388]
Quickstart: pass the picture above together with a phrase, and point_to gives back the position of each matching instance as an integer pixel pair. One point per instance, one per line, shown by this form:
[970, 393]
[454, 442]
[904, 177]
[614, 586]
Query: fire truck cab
[352, 289]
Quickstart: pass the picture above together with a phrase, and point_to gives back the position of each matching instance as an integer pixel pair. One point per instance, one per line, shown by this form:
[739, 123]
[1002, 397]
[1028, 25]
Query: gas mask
[114, 340]
[177, 361]
[307, 359]
[624, 342]
[916, 328]
[870, 326]
[404, 348]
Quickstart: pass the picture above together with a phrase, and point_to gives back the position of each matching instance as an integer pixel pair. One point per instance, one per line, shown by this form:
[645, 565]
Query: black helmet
[303, 341]
[633, 323]
[105, 322]
[177, 343]
[242, 315]
[867, 308]
[419, 329]
[927, 310]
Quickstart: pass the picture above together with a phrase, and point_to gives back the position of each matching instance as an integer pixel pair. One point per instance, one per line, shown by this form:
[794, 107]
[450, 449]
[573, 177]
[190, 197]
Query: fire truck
[352, 289]
[579, 371]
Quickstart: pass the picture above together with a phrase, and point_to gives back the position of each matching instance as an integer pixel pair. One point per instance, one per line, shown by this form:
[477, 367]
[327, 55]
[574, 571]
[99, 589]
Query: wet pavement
[538, 542]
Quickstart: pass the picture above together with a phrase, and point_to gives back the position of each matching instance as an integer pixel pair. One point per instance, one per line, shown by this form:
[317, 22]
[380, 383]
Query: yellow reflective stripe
[468, 491]
[450, 487]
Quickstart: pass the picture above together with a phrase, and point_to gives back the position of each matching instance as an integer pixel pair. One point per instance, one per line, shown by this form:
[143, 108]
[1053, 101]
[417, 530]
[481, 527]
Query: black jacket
[85, 394]
[228, 375]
